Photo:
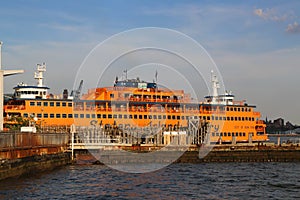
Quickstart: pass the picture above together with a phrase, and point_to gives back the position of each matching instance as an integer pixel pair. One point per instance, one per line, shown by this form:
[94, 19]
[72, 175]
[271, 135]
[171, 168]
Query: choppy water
[178, 181]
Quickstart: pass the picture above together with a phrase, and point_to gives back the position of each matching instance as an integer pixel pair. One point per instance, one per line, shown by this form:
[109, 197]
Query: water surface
[177, 181]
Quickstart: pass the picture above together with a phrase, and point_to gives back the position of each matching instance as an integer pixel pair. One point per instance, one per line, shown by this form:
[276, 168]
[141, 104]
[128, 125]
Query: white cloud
[293, 28]
[272, 14]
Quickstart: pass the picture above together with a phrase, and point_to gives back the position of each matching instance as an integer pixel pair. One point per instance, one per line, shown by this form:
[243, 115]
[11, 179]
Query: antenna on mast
[215, 87]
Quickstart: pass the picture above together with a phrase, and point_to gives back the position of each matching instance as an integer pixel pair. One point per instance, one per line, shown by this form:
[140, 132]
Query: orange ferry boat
[134, 102]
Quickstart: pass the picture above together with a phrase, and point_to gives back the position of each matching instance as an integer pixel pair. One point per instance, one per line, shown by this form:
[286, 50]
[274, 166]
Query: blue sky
[255, 44]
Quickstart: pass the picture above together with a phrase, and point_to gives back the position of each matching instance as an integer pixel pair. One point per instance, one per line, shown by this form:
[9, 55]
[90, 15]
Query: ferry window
[75, 115]
[229, 134]
[115, 116]
[235, 118]
[39, 115]
[70, 116]
[238, 109]
[173, 116]
[217, 134]
[228, 118]
[45, 103]
[51, 115]
[213, 134]
[93, 116]
[38, 103]
[246, 118]
[150, 116]
[224, 118]
[45, 115]
[57, 104]
[98, 116]
[252, 119]
[159, 116]
[64, 104]
[125, 116]
[239, 118]
[112, 96]
[164, 116]
[221, 134]
[130, 116]
[242, 109]
[145, 116]
[217, 118]
[25, 115]
[120, 116]
[44, 93]
[81, 115]
[135, 116]
[212, 118]
[88, 116]
[231, 109]
[227, 109]
[64, 115]
[208, 117]
[32, 103]
[51, 104]
[178, 117]
[244, 134]
[169, 116]
[57, 115]
[109, 116]
[140, 116]
[154, 117]
[243, 119]
[195, 117]
[232, 119]
[204, 117]
[69, 104]
[240, 134]
[234, 109]
[236, 134]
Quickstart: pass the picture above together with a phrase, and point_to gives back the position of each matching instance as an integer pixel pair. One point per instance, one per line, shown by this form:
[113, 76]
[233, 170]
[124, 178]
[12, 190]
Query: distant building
[289, 126]
[278, 126]
[278, 123]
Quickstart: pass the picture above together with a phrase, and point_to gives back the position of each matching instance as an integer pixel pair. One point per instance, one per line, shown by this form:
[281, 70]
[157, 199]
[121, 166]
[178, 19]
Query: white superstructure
[39, 91]
[215, 98]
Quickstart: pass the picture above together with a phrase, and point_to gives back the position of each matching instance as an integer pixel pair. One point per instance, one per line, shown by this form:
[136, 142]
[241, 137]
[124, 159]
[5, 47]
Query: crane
[76, 93]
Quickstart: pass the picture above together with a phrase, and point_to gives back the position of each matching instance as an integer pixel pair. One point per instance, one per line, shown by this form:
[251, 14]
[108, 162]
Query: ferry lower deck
[225, 121]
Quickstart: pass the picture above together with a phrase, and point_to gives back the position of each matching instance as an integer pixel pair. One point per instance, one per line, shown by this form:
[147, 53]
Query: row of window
[30, 92]
[228, 134]
[49, 115]
[130, 116]
[51, 104]
[238, 109]
[69, 104]
[232, 118]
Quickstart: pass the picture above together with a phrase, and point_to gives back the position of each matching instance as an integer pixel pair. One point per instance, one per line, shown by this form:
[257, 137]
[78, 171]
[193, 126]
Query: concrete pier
[218, 153]
[25, 153]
